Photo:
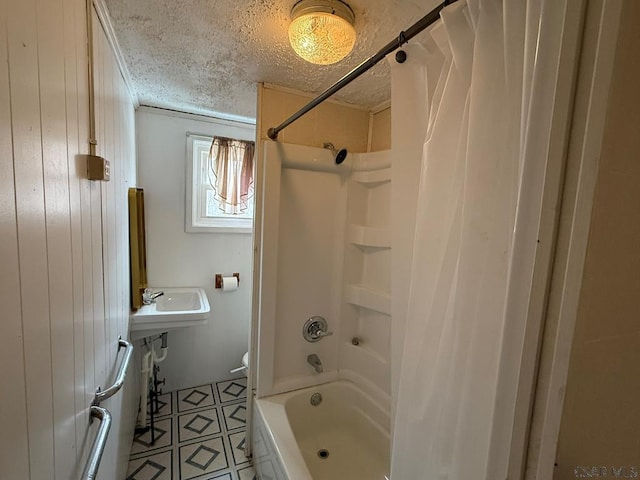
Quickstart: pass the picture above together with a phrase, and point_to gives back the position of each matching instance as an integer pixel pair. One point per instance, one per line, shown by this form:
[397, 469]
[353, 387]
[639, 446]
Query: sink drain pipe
[147, 368]
[163, 349]
[149, 359]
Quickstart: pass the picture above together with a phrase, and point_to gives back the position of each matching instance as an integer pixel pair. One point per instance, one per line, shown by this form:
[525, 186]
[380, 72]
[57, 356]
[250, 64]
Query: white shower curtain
[473, 159]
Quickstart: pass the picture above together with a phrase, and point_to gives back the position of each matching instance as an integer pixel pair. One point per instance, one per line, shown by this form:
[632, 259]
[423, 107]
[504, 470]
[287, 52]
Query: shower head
[338, 155]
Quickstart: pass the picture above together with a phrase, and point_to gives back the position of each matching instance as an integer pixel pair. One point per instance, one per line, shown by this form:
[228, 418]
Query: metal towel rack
[117, 385]
[93, 462]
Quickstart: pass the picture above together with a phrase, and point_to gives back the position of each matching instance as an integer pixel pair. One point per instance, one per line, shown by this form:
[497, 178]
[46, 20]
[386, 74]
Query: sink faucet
[315, 362]
[149, 296]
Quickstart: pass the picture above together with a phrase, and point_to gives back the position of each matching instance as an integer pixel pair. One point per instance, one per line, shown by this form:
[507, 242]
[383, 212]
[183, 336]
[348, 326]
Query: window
[220, 194]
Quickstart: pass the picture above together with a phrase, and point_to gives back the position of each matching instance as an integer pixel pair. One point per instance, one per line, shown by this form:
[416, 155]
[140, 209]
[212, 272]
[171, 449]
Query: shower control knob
[315, 328]
[319, 334]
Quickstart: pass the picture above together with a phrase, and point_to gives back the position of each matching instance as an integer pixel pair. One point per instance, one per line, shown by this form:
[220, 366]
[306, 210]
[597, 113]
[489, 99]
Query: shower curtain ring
[401, 56]
[401, 38]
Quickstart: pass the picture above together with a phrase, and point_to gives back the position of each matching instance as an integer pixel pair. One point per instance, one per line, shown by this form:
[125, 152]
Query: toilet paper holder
[219, 279]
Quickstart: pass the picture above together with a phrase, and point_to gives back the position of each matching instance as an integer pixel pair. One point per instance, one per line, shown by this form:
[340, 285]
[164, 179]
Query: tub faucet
[315, 362]
[149, 296]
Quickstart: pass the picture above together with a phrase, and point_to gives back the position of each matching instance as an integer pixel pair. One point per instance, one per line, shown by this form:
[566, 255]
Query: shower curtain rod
[403, 37]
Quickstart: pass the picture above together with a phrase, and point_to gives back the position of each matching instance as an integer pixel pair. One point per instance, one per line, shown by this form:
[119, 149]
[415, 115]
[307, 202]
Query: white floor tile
[199, 436]
[235, 415]
[163, 433]
[202, 457]
[196, 397]
[198, 424]
[237, 448]
[153, 467]
[247, 473]
[231, 390]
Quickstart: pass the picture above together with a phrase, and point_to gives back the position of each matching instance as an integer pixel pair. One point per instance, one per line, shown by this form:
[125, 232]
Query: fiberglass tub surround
[325, 253]
[325, 316]
[328, 432]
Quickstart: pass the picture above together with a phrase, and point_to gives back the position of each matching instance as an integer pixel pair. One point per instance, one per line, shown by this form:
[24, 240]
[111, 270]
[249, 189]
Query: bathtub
[345, 437]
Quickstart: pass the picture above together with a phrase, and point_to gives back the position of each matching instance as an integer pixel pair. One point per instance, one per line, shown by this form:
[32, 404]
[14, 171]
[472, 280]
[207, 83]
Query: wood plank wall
[64, 273]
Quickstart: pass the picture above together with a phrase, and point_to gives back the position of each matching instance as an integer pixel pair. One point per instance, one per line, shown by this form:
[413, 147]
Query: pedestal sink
[176, 308]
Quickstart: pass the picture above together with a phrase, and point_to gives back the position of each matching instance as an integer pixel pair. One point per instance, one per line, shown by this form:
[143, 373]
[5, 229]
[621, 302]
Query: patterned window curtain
[231, 173]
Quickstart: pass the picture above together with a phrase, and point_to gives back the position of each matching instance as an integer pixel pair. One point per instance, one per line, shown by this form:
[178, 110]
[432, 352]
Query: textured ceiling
[207, 55]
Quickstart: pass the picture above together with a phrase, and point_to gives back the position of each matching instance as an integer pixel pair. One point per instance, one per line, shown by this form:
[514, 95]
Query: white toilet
[245, 363]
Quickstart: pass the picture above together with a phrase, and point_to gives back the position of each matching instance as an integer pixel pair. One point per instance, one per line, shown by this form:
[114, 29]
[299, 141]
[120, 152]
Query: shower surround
[325, 251]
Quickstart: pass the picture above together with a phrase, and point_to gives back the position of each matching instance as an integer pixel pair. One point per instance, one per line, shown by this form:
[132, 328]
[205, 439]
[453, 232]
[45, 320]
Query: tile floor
[199, 435]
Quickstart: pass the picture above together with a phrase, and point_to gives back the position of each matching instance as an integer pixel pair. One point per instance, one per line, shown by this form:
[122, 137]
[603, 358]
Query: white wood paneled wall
[64, 273]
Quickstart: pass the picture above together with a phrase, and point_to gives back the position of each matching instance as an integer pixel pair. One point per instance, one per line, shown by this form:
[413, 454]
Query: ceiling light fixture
[321, 31]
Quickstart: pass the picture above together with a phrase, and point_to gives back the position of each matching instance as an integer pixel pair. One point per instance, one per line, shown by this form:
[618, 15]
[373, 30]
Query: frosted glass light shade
[320, 36]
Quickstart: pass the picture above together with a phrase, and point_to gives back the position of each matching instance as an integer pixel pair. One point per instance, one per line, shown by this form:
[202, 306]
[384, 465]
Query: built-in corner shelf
[367, 297]
[372, 178]
[369, 236]
[363, 349]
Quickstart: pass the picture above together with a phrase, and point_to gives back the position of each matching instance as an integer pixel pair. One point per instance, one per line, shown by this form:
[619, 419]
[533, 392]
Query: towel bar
[117, 385]
[93, 461]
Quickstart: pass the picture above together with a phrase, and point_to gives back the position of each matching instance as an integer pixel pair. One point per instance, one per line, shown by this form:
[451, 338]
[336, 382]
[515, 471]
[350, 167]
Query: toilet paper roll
[229, 284]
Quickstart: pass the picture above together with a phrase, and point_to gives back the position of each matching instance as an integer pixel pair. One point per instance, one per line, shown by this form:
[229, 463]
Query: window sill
[217, 229]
